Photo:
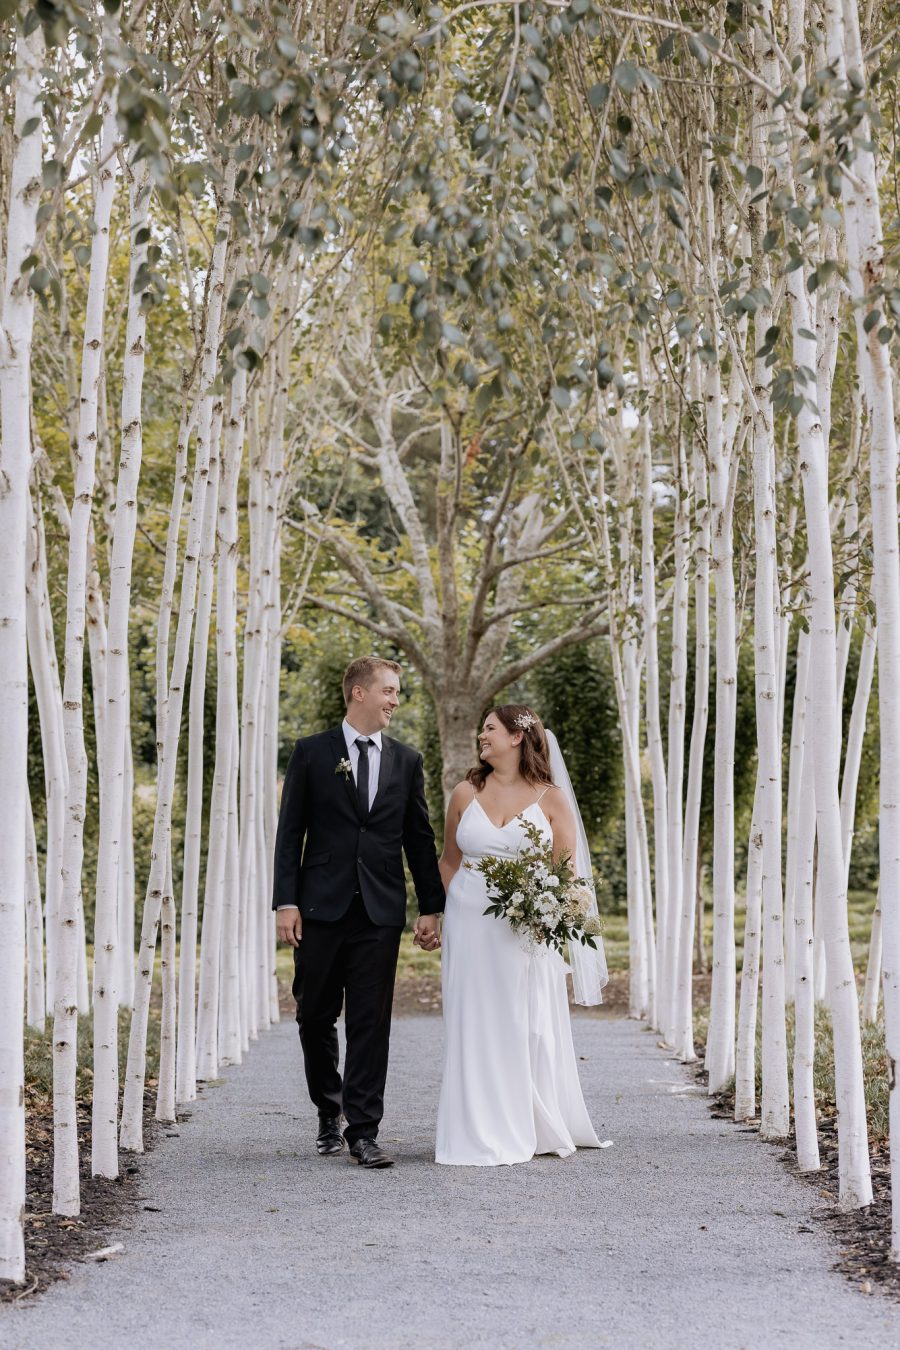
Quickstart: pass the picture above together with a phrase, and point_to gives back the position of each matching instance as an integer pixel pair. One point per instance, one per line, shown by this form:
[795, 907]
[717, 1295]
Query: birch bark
[775, 1106]
[66, 1190]
[684, 1016]
[105, 1099]
[131, 1136]
[16, 327]
[35, 1002]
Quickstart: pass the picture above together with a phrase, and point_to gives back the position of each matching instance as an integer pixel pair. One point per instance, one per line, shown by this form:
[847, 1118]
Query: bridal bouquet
[539, 896]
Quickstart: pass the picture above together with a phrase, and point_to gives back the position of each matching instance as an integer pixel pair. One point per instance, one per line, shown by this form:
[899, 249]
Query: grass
[39, 1054]
[875, 1066]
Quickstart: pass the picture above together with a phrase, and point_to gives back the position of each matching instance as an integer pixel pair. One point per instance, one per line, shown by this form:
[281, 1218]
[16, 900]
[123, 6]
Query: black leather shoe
[368, 1154]
[329, 1139]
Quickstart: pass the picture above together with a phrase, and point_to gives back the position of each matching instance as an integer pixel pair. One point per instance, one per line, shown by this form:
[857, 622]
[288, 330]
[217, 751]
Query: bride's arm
[562, 822]
[451, 858]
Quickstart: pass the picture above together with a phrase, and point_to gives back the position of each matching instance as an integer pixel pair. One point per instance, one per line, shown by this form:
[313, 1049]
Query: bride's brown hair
[534, 764]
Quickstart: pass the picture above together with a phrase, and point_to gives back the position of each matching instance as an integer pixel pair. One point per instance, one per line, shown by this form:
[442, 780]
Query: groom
[352, 800]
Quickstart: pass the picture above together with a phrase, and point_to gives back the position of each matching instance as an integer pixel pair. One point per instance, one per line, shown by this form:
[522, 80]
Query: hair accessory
[525, 721]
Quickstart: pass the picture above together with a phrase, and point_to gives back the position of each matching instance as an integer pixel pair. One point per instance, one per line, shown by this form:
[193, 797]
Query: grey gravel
[684, 1234]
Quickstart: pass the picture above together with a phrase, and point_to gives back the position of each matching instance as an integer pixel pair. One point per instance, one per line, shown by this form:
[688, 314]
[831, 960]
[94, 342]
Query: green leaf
[754, 176]
[871, 319]
[666, 48]
[39, 279]
[598, 94]
[453, 335]
[627, 76]
[31, 125]
[561, 396]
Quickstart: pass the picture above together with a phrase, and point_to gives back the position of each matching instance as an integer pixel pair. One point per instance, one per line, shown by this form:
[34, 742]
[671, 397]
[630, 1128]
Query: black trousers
[352, 961]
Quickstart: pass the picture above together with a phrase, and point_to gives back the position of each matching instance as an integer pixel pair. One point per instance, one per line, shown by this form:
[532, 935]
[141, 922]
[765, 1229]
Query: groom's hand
[289, 926]
[427, 932]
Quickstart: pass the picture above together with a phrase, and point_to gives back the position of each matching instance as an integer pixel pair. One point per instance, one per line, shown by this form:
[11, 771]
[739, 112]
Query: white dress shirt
[350, 736]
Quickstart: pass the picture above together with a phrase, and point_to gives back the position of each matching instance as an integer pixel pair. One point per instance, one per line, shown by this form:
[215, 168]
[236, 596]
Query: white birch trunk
[684, 1013]
[66, 1191]
[132, 1108]
[16, 327]
[856, 732]
[745, 1060]
[35, 1002]
[165, 1093]
[675, 759]
[229, 1029]
[105, 1100]
[865, 255]
[654, 729]
[126, 878]
[872, 991]
[720, 1046]
[804, 1000]
[270, 757]
[48, 694]
[795, 770]
[775, 1105]
[186, 1082]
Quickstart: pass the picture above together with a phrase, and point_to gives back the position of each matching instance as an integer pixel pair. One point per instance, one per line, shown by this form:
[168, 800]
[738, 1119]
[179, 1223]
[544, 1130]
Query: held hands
[427, 932]
[289, 926]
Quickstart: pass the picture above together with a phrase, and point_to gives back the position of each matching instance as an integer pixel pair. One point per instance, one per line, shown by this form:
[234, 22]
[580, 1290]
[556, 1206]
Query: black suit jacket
[343, 850]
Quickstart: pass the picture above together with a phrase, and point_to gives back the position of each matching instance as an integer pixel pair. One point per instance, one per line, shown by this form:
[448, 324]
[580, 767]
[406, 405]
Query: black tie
[362, 775]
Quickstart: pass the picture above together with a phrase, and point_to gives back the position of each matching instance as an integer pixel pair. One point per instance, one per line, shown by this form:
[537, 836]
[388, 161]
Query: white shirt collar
[351, 734]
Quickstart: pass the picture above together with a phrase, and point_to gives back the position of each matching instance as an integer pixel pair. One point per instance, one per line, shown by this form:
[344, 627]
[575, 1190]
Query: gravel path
[687, 1233]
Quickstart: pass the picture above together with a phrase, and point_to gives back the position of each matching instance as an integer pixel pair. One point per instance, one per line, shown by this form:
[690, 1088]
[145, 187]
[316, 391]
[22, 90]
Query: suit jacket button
[362, 829]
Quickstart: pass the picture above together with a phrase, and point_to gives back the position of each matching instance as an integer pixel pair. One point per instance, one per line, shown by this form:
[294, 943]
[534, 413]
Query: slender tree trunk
[165, 1093]
[684, 1015]
[675, 759]
[105, 1100]
[229, 1027]
[720, 1047]
[48, 694]
[855, 736]
[16, 326]
[654, 728]
[872, 990]
[775, 1106]
[865, 255]
[795, 770]
[745, 1061]
[125, 890]
[186, 1083]
[804, 989]
[35, 1004]
[66, 1190]
[132, 1123]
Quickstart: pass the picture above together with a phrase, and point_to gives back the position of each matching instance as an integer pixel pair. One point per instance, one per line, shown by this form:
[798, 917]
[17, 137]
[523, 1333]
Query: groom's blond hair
[362, 671]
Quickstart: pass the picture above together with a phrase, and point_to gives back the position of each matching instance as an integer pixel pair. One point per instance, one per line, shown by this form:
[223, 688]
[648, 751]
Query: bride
[510, 1085]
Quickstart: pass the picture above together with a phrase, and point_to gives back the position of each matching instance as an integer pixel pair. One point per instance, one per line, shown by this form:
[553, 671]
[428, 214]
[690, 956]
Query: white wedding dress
[510, 1087]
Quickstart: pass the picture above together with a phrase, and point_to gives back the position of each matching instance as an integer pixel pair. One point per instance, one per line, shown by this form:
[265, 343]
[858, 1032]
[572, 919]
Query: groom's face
[373, 705]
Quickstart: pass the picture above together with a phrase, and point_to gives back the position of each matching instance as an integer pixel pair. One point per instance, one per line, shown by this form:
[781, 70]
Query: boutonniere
[344, 766]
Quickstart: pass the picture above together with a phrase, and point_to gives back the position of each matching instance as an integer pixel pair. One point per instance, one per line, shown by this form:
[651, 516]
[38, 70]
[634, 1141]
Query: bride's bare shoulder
[460, 797]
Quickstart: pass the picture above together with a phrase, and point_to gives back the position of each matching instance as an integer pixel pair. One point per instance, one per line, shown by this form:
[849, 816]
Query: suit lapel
[385, 771]
[341, 752]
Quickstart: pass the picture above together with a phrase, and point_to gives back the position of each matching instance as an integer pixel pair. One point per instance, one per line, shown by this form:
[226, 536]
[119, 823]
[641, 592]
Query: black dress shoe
[329, 1139]
[368, 1154]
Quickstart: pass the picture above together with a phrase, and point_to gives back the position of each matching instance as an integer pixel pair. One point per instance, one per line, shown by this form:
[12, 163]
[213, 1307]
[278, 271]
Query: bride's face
[495, 742]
